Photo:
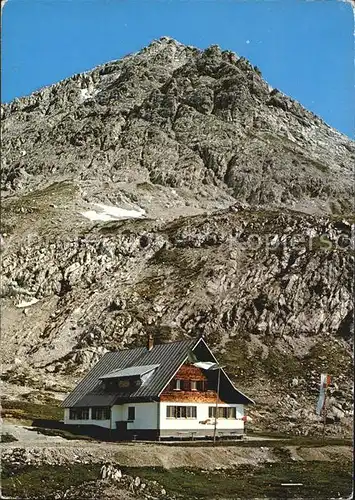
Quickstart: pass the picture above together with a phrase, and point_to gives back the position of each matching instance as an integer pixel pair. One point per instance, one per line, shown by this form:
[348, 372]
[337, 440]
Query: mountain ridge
[220, 164]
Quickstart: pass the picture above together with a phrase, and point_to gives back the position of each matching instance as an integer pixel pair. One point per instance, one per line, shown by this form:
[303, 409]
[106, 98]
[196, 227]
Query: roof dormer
[129, 378]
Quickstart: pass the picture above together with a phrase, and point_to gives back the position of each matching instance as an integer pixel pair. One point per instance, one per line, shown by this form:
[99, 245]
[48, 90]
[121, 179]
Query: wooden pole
[325, 409]
[216, 409]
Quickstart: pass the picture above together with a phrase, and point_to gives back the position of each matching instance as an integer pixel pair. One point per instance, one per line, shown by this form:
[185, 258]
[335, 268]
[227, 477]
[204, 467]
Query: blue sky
[304, 48]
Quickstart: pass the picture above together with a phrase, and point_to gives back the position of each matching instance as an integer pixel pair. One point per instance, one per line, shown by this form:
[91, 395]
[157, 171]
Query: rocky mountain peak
[214, 121]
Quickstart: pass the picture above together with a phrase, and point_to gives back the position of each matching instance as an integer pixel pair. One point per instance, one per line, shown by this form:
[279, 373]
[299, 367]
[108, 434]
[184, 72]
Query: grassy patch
[179, 224]
[38, 200]
[7, 438]
[275, 442]
[330, 356]
[151, 287]
[180, 268]
[186, 264]
[146, 186]
[301, 440]
[46, 480]
[127, 227]
[41, 203]
[280, 365]
[62, 433]
[24, 410]
[282, 453]
[319, 480]
[275, 365]
[238, 360]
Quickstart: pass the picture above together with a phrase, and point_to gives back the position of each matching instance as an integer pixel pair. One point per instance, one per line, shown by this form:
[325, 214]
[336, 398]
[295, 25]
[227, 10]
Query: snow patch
[87, 94]
[107, 213]
[27, 303]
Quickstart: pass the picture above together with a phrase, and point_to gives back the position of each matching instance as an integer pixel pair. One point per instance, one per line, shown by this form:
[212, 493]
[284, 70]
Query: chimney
[150, 342]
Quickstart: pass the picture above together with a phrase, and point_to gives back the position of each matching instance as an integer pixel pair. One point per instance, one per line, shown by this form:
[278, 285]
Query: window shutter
[199, 385]
[232, 412]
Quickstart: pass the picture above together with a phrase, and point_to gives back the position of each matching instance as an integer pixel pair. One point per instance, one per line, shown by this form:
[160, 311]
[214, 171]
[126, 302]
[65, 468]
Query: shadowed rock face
[260, 262]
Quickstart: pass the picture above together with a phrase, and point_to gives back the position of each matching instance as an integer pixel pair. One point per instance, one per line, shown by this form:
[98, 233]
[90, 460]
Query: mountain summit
[174, 192]
[174, 116]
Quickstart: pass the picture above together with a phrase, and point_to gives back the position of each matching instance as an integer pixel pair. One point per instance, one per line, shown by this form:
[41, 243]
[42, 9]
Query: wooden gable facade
[189, 385]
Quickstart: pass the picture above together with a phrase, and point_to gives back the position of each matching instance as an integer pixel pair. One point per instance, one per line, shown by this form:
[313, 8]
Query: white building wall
[146, 416]
[149, 415]
[116, 415]
[167, 423]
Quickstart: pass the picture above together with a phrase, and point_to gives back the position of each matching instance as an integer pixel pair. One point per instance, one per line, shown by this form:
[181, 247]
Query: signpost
[216, 408]
[322, 399]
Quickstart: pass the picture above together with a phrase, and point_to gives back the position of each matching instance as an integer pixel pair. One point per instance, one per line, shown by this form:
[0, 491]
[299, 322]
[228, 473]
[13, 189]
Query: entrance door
[121, 426]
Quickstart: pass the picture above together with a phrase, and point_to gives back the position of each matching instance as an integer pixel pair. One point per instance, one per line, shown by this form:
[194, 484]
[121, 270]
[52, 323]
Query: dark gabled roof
[169, 357]
[228, 391]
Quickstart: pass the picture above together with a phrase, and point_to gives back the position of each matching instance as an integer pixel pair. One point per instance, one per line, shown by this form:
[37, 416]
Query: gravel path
[25, 435]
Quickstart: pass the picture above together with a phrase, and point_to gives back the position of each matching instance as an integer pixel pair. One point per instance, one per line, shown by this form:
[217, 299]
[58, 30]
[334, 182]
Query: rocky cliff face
[246, 237]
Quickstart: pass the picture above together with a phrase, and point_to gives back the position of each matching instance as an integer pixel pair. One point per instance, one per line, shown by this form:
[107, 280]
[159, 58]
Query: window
[191, 411]
[79, 414]
[223, 412]
[193, 385]
[170, 411]
[181, 411]
[101, 413]
[177, 386]
[123, 384]
[200, 385]
[131, 413]
[186, 385]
